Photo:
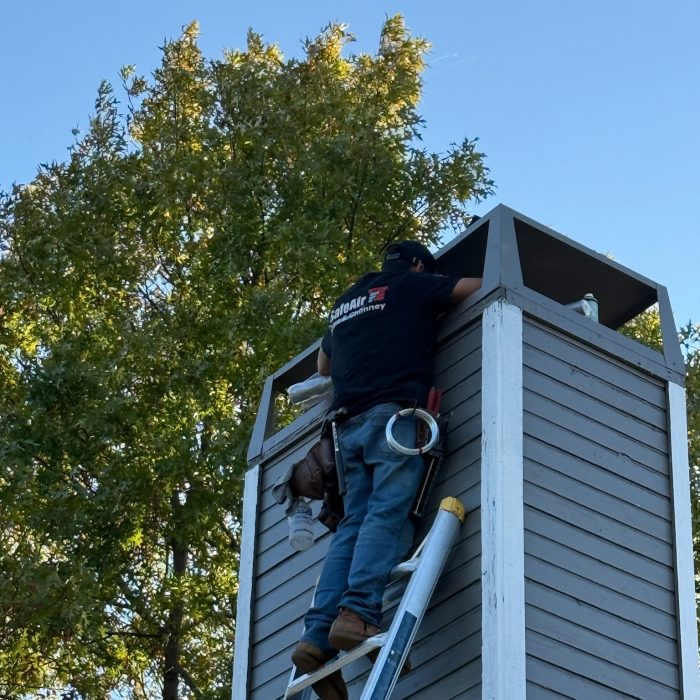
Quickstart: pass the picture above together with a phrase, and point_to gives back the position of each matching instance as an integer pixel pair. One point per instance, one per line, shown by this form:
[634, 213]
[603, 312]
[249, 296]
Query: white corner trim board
[241, 649]
[683, 545]
[502, 520]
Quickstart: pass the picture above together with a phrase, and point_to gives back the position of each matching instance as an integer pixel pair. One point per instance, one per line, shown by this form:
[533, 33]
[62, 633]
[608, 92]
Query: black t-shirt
[381, 335]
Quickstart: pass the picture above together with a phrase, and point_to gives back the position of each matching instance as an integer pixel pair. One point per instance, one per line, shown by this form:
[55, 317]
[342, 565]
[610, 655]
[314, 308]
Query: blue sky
[588, 112]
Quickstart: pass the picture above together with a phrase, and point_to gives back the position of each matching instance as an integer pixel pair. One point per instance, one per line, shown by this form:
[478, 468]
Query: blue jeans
[377, 531]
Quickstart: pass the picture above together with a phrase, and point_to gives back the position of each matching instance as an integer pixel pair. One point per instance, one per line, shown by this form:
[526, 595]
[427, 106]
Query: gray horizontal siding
[621, 608]
[591, 544]
[599, 591]
[650, 670]
[593, 427]
[446, 653]
[556, 670]
[595, 375]
[591, 511]
[590, 450]
[611, 575]
[594, 622]
[591, 364]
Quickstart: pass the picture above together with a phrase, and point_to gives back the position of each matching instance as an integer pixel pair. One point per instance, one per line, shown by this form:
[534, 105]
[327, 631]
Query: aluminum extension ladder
[424, 567]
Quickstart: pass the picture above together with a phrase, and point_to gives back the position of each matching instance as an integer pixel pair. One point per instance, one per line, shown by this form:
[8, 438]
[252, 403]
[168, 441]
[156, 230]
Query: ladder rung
[340, 661]
[403, 569]
[398, 573]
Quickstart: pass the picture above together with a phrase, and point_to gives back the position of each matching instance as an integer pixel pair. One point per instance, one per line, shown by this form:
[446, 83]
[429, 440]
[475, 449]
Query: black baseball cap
[412, 252]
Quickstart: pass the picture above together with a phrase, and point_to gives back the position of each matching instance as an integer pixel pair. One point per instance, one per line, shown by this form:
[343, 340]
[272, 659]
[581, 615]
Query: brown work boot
[349, 629]
[308, 658]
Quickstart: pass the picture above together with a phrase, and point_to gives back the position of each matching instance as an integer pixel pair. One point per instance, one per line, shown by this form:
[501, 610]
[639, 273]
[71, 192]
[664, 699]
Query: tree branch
[189, 681]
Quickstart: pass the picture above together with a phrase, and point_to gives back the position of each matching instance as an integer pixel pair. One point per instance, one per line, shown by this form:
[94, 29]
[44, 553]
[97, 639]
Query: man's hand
[465, 287]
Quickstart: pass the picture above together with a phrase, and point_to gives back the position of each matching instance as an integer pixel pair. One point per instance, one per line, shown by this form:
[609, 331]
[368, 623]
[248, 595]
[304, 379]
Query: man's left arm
[323, 363]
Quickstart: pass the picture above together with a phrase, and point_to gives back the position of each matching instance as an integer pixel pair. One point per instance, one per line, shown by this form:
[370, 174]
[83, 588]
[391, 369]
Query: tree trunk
[171, 675]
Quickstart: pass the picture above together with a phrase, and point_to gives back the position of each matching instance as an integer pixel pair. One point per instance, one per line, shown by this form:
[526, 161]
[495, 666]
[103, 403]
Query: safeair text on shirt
[372, 301]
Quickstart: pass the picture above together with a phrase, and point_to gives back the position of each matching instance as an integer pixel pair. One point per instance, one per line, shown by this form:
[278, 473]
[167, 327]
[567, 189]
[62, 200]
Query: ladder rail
[404, 627]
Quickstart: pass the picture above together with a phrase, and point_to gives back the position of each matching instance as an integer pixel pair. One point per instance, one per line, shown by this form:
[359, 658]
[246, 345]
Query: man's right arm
[466, 286]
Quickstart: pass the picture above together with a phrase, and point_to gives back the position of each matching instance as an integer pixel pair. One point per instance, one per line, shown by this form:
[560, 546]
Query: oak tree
[188, 246]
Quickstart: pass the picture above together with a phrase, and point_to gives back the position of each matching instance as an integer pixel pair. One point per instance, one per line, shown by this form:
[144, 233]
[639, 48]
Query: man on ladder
[379, 351]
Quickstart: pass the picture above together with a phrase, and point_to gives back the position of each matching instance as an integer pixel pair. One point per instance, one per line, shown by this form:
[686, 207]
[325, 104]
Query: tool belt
[317, 476]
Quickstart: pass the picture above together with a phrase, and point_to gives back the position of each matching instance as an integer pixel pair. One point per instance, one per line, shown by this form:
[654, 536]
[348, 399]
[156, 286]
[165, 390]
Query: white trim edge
[502, 511]
[683, 543]
[244, 605]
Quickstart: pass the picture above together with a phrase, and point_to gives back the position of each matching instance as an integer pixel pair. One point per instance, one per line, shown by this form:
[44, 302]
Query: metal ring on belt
[430, 422]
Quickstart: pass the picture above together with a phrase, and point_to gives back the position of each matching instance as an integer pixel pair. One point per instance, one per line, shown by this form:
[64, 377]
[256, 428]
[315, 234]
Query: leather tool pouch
[316, 477]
